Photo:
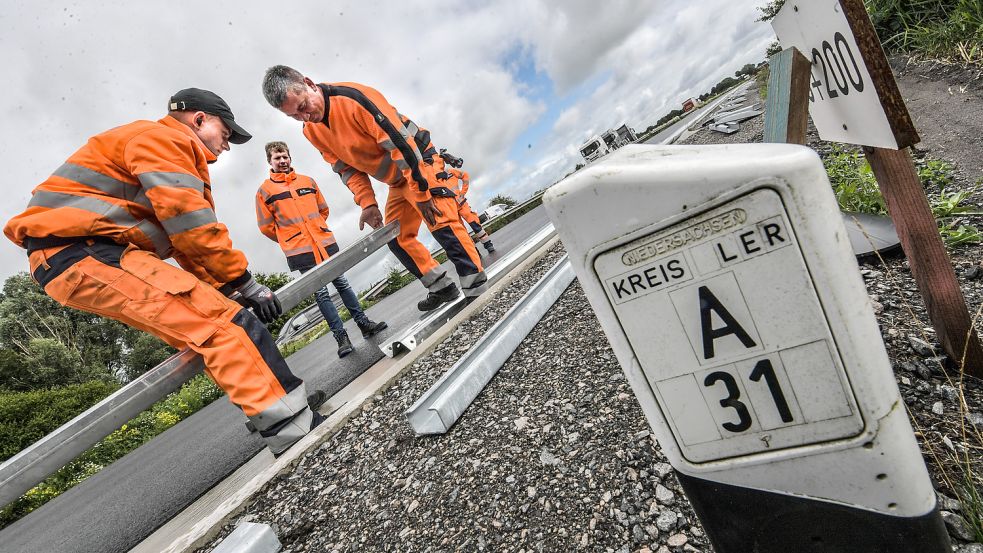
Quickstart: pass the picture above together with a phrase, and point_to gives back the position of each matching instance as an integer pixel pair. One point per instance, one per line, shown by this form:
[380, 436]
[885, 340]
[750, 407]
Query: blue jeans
[348, 297]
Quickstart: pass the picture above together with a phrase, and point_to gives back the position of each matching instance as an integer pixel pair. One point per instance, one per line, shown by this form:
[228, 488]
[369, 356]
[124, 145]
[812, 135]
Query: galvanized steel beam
[409, 339]
[32, 465]
[440, 407]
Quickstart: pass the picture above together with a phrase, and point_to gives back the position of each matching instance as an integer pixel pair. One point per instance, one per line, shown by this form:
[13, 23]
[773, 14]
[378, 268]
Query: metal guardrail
[440, 407]
[409, 339]
[32, 465]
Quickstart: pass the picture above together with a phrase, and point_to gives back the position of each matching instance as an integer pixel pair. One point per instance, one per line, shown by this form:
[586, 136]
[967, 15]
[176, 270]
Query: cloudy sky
[512, 86]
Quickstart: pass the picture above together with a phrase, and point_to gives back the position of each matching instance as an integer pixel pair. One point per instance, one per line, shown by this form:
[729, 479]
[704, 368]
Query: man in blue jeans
[291, 211]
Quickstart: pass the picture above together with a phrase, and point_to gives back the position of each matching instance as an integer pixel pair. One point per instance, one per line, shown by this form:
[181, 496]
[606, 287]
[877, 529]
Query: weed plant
[856, 190]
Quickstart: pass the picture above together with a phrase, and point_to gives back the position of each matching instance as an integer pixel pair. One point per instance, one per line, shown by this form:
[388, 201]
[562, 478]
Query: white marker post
[725, 282]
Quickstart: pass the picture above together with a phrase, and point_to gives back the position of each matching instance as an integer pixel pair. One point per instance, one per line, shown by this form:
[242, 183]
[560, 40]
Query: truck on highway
[594, 149]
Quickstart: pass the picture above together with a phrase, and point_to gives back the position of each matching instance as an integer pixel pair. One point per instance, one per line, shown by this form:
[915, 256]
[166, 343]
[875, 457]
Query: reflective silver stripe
[94, 179]
[412, 129]
[283, 408]
[142, 199]
[188, 221]
[291, 433]
[388, 145]
[264, 194]
[171, 180]
[401, 163]
[475, 284]
[339, 166]
[435, 279]
[292, 221]
[266, 221]
[162, 244]
[347, 175]
[328, 241]
[384, 166]
[482, 236]
[115, 213]
[411, 143]
[298, 251]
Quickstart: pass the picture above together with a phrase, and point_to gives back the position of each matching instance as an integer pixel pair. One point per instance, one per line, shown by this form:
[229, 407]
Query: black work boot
[344, 344]
[316, 399]
[489, 247]
[370, 329]
[438, 298]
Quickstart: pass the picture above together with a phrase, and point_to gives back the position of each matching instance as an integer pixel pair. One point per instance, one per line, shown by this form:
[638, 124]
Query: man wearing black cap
[96, 232]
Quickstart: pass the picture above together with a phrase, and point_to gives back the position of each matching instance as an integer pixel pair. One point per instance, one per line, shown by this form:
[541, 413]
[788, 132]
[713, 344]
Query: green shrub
[26, 417]
[195, 394]
[856, 190]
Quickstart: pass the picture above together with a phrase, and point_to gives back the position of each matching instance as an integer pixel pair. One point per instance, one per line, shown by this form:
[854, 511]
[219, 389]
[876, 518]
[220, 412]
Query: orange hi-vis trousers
[472, 219]
[137, 288]
[449, 232]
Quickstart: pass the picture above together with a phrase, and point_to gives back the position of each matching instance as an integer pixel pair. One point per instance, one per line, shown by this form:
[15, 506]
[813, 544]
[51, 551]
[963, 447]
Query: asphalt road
[117, 508]
[691, 117]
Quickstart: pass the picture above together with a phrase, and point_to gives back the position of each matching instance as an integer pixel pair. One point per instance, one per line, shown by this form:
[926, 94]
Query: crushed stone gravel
[556, 455]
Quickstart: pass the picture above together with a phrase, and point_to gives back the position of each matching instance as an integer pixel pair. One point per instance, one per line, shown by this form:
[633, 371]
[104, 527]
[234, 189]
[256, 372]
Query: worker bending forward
[462, 181]
[360, 134]
[96, 232]
[291, 211]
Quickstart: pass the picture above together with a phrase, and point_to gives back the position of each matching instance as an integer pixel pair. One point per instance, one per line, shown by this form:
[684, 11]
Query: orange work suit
[298, 225]
[361, 134]
[96, 232]
[462, 181]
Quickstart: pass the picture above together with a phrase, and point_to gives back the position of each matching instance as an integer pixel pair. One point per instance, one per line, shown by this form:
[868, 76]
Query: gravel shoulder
[556, 455]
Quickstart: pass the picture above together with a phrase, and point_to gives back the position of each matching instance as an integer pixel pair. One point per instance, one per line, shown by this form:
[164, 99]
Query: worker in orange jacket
[360, 134]
[462, 181]
[291, 211]
[96, 232]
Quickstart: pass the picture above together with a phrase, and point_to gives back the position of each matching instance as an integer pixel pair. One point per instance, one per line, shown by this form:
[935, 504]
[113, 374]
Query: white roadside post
[724, 279]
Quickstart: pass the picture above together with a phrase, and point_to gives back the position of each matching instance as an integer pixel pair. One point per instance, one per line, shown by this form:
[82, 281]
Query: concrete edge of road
[381, 376]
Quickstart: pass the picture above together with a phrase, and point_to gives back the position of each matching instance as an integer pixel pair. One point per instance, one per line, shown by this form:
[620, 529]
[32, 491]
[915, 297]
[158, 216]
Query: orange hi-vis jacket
[461, 183]
[291, 211]
[145, 183]
[362, 134]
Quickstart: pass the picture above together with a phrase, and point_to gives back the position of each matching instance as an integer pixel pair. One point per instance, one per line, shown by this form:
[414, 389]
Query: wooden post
[787, 106]
[930, 265]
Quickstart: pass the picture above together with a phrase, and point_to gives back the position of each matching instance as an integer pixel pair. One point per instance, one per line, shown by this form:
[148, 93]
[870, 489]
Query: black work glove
[260, 298]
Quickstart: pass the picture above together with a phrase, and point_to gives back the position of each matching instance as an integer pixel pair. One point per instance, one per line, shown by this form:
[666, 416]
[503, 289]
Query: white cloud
[76, 70]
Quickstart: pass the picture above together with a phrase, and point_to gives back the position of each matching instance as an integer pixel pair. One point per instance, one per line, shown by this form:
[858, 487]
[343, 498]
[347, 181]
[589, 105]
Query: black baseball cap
[196, 99]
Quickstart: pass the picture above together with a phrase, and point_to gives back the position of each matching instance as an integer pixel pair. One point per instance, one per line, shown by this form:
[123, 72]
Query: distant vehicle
[610, 138]
[594, 149]
[691, 104]
[494, 211]
[626, 135]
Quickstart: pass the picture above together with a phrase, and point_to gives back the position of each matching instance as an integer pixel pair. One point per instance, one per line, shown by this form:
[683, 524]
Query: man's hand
[261, 299]
[371, 216]
[429, 211]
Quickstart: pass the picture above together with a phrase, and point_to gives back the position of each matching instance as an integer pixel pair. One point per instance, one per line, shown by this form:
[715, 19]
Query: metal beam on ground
[440, 407]
[411, 337]
[33, 464]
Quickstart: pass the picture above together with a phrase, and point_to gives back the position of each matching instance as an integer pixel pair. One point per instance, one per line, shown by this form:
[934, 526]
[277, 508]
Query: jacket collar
[326, 93]
[173, 123]
[283, 177]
